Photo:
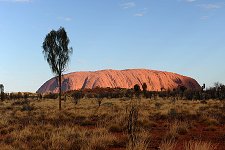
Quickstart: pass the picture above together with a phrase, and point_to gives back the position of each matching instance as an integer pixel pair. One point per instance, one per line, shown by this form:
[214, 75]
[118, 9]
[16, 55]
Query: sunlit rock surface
[155, 80]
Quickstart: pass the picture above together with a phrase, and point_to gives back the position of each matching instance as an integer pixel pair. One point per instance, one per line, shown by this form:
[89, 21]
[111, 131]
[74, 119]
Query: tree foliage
[137, 90]
[57, 53]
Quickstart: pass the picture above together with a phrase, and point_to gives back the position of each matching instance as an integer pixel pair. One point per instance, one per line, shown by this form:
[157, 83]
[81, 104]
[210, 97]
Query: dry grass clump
[199, 145]
[100, 139]
[167, 145]
[177, 128]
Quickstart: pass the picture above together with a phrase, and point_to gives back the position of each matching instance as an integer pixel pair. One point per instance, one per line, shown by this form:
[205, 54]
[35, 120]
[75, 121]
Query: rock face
[155, 80]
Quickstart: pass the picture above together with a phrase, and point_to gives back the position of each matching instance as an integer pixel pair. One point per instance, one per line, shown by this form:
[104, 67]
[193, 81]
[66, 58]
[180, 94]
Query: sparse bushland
[180, 93]
[164, 124]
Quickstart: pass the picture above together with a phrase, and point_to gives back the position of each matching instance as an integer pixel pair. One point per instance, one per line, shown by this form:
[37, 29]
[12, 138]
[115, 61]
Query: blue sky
[182, 36]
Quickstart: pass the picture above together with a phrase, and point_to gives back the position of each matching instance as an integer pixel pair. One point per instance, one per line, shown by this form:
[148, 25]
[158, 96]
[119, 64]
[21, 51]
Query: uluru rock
[155, 80]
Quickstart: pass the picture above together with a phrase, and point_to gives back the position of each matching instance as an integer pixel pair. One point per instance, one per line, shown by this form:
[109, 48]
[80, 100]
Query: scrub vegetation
[116, 123]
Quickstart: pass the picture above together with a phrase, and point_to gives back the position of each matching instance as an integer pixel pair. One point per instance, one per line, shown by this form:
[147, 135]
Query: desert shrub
[148, 94]
[90, 95]
[137, 90]
[144, 88]
[162, 94]
[129, 93]
[20, 102]
[188, 94]
[19, 95]
[50, 96]
[197, 95]
[77, 95]
[25, 95]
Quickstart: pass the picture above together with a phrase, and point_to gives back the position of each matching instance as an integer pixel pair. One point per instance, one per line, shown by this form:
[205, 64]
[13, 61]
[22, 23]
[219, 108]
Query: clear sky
[182, 36]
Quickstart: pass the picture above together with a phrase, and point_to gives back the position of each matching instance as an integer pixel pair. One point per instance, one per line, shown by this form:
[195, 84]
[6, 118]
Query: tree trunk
[60, 91]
